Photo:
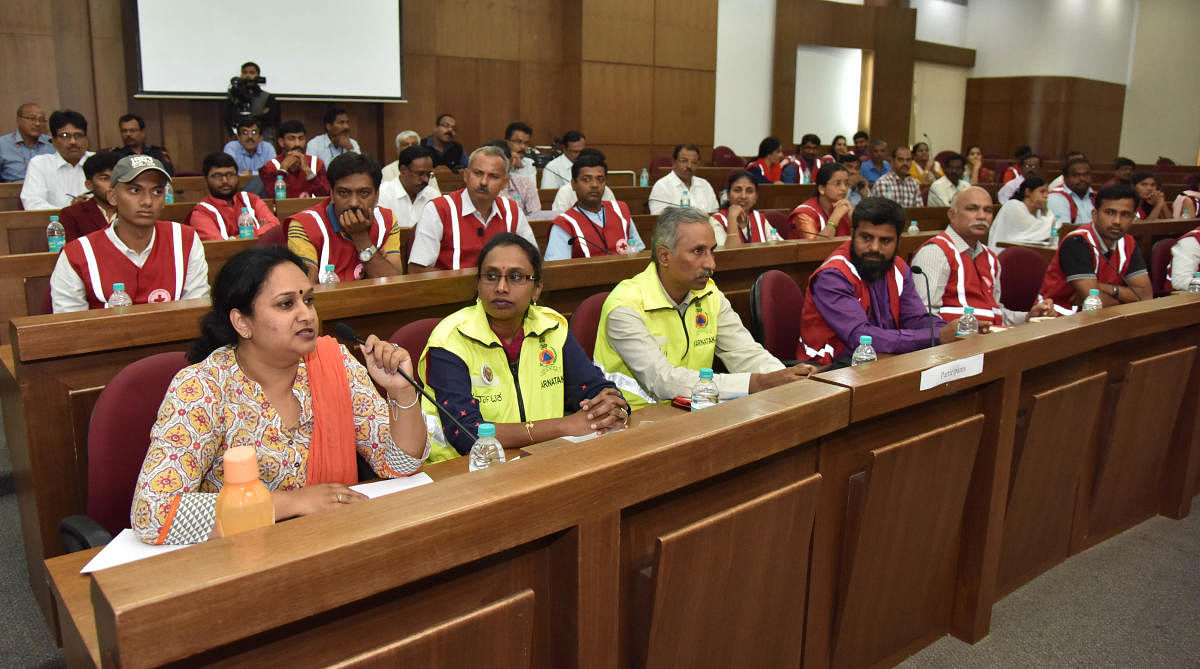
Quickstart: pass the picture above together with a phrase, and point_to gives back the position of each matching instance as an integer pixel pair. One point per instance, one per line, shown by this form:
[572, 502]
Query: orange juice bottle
[244, 502]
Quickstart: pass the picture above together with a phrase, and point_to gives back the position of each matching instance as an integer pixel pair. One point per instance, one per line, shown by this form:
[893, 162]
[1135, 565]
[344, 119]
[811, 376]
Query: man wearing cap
[216, 216]
[157, 261]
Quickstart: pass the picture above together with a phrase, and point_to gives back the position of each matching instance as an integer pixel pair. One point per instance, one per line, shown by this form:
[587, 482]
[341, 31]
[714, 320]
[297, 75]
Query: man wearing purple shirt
[864, 289]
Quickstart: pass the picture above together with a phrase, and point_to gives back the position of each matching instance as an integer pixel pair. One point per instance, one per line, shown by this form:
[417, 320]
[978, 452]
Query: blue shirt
[15, 154]
[1057, 203]
[558, 247]
[250, 162]
[322, 147]
[872, 175]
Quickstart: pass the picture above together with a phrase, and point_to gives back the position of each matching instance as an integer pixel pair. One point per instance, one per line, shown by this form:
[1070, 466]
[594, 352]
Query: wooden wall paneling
[108, 71]
[1052, 441]
[420, 90]
[28, 66]
[1096, 111]
[1131, 471]
[899, 585]
[723, 583]
[458, 96]
[892, 79]
[944, 54]
[618, 31]
[617, 103]
[482, 29]
[586, 618]
[420, 30]
[1183, 480]
[178, 126]
[685, 34]
[542, 31]
[500, 96]
[684, 102]
[549, 99]
[365, 124]
[73, 55]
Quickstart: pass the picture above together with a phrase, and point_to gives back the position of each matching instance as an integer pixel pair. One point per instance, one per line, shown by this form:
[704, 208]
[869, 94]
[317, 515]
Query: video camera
[243, 91]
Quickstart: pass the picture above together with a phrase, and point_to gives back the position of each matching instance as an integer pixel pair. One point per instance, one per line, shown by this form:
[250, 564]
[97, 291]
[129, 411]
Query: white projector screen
[827, 90]
[307, 49]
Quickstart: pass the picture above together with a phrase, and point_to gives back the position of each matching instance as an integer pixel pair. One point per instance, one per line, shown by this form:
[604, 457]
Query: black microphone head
[914, 268]
[346, 333]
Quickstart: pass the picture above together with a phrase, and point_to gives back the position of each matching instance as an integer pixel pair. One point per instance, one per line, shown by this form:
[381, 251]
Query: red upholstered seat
[664, 162]
[777, 218]
[723, 156]
[775, 304]
[1160, 257]
[585, 321]
[413, 336]
[942, 156]
[276, 235]
[119, 435]
[1021, 272]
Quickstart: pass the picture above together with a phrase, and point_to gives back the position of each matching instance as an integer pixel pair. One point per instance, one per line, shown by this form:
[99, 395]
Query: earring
[245, 335]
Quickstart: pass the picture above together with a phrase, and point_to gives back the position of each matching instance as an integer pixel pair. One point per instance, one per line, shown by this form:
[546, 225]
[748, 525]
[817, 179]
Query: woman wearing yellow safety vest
[507, 361]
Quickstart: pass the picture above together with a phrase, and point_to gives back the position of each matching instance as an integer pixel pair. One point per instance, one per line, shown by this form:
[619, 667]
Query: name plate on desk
[952, 371]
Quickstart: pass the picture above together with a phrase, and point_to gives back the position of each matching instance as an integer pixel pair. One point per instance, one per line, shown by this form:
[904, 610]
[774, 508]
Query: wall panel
[685, 34]
[683, 106]
[617, 103]
[618, 31]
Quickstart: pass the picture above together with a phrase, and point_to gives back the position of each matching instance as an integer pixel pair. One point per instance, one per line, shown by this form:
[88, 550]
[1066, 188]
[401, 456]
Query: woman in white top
[1025, 218]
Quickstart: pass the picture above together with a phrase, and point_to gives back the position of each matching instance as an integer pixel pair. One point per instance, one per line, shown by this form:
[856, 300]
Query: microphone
[928, 297]
[347, 333]
[595, 246]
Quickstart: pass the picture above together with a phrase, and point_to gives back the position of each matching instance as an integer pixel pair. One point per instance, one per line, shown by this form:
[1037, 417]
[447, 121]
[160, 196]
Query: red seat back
[777, 219]
[275, 235]
[775, 303]
[942, 156]
[664, 162]
[1021, 272]
[414, 336]
[1160, 257]
[119, 435]
[723, 156]
[585, 321]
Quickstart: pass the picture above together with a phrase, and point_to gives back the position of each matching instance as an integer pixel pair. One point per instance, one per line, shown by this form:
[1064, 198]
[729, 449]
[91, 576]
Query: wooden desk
[1046, 252]
[10, 196]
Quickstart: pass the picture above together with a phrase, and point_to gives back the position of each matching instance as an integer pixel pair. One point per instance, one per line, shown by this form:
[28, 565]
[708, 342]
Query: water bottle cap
[118, 286]
[913, 224]
[968, 310]
[53, 218]
[706, 373]
[245, 210]
[864, 339]
[487, 430]
[329, 268]
[1196, 275]
[1094, 291]
[241, 464]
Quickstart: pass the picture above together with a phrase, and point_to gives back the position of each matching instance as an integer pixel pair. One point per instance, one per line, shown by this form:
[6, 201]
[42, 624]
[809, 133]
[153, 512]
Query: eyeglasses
[35, 119]
[513, 278]
[448, 126]
[71, 135]
[418, 173]
[247, 133]
[223, 176]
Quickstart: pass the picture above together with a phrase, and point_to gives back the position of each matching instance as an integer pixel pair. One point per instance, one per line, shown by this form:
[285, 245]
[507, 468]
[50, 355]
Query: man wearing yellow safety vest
[661, 327]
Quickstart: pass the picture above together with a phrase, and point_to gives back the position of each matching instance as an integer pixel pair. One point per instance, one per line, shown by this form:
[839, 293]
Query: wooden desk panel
[10, 196]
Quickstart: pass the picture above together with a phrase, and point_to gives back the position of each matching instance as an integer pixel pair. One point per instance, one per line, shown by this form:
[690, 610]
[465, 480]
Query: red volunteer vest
[771, 174]
[806, 175]
[1194, 234]
[812, 207]
[332, 247]
[464, 236]
[1055, 285]
[612, 239]
[101, 264]
[758, 226]
[297, 183]
[227, 216]
[1011, 173]
[1062, 190]
[970, 283]
[818, 343]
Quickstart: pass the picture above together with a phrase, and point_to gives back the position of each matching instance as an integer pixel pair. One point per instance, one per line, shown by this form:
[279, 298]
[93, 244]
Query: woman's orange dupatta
[331, 452]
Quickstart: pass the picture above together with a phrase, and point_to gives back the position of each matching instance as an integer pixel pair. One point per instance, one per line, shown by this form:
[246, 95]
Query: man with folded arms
[1100, 255]
[864, 288]
[592, 226]
[216, 216]
[54, 180]
[660, 328]
[158, 261]
[303, 175]
[454, 227]
[963, 271]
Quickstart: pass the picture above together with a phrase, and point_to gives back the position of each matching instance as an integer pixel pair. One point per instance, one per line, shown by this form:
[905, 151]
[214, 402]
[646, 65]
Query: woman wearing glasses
[507, 361]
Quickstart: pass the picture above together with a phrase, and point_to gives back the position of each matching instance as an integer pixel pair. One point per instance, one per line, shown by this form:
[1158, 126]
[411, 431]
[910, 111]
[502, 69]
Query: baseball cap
[128, 168]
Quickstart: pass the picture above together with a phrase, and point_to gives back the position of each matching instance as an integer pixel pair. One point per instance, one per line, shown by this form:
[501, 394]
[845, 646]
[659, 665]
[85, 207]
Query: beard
[870, 268]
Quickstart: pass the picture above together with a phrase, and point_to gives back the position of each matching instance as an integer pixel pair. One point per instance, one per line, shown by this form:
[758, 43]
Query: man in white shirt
[53, 180]
[408, 193]
[941, 191]
[1029, 165]
[336, 139]
[1185, 260]
[670, 189]
[557, 172]
[453, 228]
[404, 139]
[519, 136]
[566, 197]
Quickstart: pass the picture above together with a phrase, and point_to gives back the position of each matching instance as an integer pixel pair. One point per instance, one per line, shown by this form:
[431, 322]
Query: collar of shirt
[960, 244]
[139, 258]
[1100, 243]
[596, 217]
[468, 207]
[20, 141]
[333, 222]
[60, 162]
[257, 150]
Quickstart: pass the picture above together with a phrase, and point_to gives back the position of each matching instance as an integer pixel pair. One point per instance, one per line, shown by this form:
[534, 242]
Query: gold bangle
[529, 431]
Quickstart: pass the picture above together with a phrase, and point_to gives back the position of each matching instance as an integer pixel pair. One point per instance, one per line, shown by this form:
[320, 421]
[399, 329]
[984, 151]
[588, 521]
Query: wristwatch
[1116, 291]
[368, 253]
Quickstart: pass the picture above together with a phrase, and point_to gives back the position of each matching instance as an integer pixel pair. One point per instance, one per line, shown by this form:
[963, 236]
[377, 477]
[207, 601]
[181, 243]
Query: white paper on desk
[388, 486]
[586, 437]
[125, 547]
[952, 371]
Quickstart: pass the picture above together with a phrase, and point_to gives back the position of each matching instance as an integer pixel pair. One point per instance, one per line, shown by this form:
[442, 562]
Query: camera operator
[248, 99]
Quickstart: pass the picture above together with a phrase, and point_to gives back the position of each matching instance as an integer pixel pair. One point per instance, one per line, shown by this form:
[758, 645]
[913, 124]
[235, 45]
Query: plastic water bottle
[913, 228]
[644, 179]
[280, 188]
[724, 197]
[1092, 303]
[967, 325]
[1053, 243]
[328, 276]
[119, 297]
[486, 451]
[864, 353]
[56, 236]
[685, 200]
[246, 224]
[169, 194]
[1194, 284]
[1187, 210]
[704, 393]
[244, 503]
